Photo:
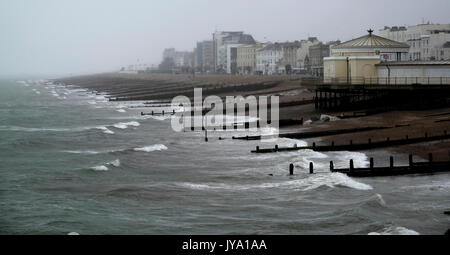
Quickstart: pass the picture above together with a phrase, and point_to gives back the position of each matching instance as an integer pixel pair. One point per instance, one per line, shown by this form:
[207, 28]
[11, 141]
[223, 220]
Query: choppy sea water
[70, 161]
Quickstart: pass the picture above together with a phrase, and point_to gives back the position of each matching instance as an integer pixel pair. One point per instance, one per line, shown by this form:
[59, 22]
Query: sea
[73, 162]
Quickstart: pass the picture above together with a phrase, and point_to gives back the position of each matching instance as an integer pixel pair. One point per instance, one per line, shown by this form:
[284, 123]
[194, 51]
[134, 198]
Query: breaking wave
[124, 125]
[312, 182]
[105, 130]
[155, 147]
[395, 231]
[114, 163]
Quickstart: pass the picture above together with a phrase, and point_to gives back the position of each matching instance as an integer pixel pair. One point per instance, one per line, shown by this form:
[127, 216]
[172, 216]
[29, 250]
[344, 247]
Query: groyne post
[351, 165]
[276, 147]
[311, 168]
[314, 145]
[257, 148]
[331, 166]
[291, 169]
[430, 158]
[163, 112]
[410, 159]
[391, 162]
[371, 163]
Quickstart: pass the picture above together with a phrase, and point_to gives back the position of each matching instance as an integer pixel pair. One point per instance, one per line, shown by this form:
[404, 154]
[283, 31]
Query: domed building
[356, 61]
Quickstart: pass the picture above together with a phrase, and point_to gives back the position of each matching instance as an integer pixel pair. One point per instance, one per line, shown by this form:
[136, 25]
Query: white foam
[121, 110]
[73, 234]
[115, 163]
[155, 147]
[160, 118]
[380, 199]
[100, 168]
[395, 231]
[124, 125]
[105, 130]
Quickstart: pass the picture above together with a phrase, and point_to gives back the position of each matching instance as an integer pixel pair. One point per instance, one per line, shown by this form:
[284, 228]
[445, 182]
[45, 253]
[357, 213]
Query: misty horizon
[56, 38]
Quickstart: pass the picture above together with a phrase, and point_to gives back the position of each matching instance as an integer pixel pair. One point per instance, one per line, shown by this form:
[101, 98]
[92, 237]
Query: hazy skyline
[51, 37]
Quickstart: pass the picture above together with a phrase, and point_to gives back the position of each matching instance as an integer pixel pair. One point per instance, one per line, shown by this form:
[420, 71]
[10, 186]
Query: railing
[386, 80]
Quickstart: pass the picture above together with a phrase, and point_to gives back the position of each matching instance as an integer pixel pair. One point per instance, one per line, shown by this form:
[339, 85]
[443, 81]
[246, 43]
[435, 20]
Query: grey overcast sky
[61, 37]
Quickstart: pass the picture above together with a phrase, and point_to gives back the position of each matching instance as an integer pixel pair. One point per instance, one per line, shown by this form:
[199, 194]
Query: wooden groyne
[162, 113]
[303, 135]
[391, 170]
[357, 147]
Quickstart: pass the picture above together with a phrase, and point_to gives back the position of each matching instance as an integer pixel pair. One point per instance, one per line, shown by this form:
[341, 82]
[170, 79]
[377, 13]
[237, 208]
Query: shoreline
[413, 123]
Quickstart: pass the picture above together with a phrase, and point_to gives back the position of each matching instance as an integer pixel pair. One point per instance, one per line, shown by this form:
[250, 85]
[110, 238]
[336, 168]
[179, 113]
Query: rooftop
[371, 41]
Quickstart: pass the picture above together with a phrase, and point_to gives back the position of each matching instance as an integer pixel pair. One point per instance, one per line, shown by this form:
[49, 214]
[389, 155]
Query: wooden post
[371, 163]
[351, 165]
[173, 112]
[331, 166]
[291, 169]
[276, 147]
[332, 143]
[410, 159]
[391, 162]
[370, 141]
[152, 113]
[430, 158]
[426, 135]
[257, 148]
[295, 145]
[314, 145]
[246, 137]
[163, 112]
[311, 168]
[388, 139]
[406, 137]
[351, 142]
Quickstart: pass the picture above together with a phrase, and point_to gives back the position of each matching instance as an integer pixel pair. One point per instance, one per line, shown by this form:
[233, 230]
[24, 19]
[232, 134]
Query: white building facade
[429, 42]
[224, 43]
[303, 51]
[269, 59]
